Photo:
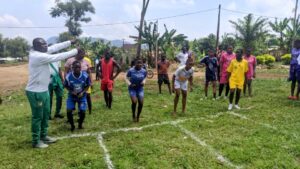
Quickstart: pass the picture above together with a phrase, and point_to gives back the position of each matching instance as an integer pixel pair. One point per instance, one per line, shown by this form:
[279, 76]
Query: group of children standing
[234, 71]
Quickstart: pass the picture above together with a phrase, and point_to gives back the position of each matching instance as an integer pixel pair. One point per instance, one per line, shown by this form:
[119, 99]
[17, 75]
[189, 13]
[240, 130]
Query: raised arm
[58, 46]
[48, 58]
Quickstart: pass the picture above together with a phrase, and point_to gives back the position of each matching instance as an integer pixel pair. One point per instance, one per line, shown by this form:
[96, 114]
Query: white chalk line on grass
[102, 133]
[246, 118]
[76, 136]
[106, 153]
[219, 156]
[127, 129]
[263, 124]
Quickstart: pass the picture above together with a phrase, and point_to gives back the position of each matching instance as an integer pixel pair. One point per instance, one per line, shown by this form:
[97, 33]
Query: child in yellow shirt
[237, 71]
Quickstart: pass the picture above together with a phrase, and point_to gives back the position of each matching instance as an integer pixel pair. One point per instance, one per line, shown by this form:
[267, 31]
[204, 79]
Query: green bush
[269, 59]
[286, 59]
[260, 60]
[265, 59]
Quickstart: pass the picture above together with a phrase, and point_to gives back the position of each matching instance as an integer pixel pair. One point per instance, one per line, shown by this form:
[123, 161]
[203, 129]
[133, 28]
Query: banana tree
[280, 28]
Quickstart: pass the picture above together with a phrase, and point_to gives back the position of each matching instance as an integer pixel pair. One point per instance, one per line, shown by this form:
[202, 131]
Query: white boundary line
[219, 156]
[127, 129]
[246, 118]
[263, 124]
[106, 153]
[175, 123]
[101, 134]
[138, 128]
[76, 136]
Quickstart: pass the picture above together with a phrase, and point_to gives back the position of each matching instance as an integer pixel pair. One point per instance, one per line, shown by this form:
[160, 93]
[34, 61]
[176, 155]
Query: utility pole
[218, 27]
[123, 44]
[156, 45]
[294, 24]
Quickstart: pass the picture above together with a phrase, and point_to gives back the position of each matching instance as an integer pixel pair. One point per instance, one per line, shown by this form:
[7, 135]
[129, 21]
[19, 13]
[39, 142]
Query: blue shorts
[82, 103]
[136, 92]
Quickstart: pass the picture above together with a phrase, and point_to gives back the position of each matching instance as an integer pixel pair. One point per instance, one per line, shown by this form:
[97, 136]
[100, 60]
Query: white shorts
[181, 85]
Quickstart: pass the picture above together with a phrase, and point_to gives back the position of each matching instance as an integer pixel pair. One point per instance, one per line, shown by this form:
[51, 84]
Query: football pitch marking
[295, 135]
[174, 123]
[219, 156]
[106, 153]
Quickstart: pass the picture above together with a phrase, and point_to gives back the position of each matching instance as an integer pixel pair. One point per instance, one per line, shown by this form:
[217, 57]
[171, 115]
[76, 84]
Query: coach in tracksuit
[37, 87]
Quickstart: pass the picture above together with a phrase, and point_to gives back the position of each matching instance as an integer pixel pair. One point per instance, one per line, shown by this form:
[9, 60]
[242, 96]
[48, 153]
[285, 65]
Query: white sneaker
[237, 107]
[41, 144]
[48, 140]
[230, 107]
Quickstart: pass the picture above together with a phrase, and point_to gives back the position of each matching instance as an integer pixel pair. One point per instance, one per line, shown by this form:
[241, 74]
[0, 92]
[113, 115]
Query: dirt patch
[13, 78]
[270, 76]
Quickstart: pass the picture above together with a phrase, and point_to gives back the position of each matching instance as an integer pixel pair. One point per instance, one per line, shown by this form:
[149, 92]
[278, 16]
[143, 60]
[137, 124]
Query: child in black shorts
[211, 64]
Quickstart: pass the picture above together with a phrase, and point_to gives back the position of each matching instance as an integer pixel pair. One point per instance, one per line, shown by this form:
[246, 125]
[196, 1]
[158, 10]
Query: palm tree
[280, 28]
[249, 30]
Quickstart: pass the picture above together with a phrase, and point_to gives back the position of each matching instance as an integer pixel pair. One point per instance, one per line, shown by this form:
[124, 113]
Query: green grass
[245, 142]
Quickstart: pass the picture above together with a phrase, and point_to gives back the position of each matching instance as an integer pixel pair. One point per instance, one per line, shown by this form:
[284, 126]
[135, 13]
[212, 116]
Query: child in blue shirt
[77, 83]
[136, 79]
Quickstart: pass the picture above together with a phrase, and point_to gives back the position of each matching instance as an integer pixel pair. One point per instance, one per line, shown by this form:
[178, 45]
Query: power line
[109, 24]
[241, 12]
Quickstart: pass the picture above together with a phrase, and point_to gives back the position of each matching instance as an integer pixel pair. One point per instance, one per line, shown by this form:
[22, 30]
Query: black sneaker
[59, 116]
[72, 128]
[80, 126]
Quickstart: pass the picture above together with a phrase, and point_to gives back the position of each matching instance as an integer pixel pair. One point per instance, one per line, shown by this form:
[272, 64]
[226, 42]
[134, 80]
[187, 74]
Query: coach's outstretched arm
[59, 46]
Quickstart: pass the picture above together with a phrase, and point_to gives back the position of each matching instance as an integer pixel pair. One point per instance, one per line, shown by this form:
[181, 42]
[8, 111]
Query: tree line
[259, 34]
[13, 47]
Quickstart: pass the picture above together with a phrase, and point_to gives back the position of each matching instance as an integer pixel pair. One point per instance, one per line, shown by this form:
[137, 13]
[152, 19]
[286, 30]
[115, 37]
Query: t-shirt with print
[136, 76]
[211, 64]
[182, 75]
[77, 84]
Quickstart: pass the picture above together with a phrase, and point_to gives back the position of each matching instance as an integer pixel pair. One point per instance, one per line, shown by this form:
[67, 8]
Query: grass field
[265, 133]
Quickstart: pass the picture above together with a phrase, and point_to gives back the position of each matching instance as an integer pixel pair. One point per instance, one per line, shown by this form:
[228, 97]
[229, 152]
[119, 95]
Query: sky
[35, 13]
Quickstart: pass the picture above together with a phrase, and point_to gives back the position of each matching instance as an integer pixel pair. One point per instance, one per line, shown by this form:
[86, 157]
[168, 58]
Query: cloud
[109, 32]
[133, 10]
[10, 20]
[277, 8]
[231, 6]
[188, 2]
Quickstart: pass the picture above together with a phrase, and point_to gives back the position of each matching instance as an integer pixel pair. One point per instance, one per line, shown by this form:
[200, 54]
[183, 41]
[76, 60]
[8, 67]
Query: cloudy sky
[35, 13]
